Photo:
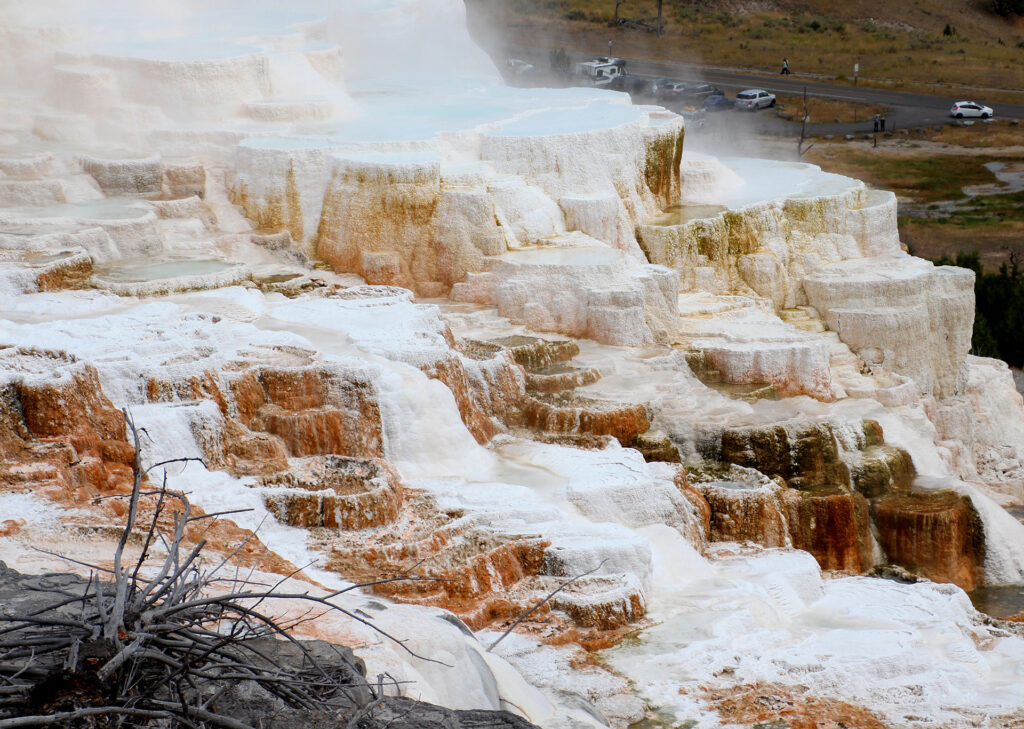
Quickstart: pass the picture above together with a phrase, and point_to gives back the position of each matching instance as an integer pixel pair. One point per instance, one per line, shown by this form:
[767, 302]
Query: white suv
[754, 99]
[970, 108]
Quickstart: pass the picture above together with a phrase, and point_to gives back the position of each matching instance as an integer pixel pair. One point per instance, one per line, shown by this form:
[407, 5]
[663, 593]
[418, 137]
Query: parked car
[518, 72]
[638, 88]
[701, 91]
[670, 90]
[719, 102]
[970, 108]
[518, 66]
[754, 99]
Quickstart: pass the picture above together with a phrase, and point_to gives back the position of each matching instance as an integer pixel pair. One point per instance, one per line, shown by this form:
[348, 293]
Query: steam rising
[147, 62]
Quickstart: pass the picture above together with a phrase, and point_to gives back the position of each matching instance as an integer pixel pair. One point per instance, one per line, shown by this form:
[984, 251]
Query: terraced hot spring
[679, 214]
[156, 270]
[43, 257]
[278, 278]
[567, 256]
[745, 390]
[108, 209]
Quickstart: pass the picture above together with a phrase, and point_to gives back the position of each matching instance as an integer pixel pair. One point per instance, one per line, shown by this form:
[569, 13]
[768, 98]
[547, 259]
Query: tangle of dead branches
[156, 641]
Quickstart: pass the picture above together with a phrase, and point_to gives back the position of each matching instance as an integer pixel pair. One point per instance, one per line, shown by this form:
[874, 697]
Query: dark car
[702, 91]
[718, 102]
[638, 87]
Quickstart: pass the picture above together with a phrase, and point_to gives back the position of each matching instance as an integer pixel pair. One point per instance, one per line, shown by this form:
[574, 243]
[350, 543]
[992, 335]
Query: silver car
[754, 99]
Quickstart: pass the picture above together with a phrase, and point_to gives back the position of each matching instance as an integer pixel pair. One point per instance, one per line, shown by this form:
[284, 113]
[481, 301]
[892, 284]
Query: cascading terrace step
[560, 378]
[534, 353]
[576, 414]
[656, 446]
[804, 318]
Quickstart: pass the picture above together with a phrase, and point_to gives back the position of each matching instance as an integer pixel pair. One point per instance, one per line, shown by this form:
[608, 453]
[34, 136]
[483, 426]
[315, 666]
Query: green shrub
[1008, 7]
[999, 313]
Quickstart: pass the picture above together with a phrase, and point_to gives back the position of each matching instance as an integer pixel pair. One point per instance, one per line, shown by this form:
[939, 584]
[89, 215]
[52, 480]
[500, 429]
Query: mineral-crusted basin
[141, 277]
[679, 214]
[999, 601]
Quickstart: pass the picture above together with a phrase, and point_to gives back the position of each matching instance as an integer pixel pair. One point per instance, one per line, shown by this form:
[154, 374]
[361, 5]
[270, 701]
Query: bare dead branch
[540, 604]
[169, 636]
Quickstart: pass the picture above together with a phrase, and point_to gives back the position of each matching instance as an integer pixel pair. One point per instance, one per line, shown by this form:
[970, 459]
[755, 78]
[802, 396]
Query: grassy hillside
[897, 44]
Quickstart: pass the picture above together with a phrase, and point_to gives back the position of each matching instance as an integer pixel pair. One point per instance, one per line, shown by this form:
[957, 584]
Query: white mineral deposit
[305, 240]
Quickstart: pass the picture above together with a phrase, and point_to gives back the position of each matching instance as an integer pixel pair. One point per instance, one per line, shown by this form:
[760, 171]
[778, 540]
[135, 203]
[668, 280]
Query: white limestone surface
[276, 92]
[760, 226]
[600, 509]
[996, 418]
[903, 314]
[916, 654]
[746, 344]
[581, 288]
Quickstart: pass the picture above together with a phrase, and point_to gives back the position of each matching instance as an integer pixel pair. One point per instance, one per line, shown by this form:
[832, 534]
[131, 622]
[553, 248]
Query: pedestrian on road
[785, 67]
[883, 123]
[877, 122]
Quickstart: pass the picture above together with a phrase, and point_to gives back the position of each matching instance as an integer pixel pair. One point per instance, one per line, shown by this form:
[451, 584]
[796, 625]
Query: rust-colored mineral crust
[832, 524]
[57, 427]
[938, 534]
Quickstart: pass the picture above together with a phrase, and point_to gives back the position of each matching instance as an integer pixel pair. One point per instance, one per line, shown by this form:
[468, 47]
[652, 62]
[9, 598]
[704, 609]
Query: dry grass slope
[896, 44]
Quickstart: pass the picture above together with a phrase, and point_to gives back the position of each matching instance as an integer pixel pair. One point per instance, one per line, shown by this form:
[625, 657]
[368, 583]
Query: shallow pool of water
[679, 214]
[1010, 176]
[765, 180]
[110, 209]
[562, 256]
[999, 601]
[150, 271]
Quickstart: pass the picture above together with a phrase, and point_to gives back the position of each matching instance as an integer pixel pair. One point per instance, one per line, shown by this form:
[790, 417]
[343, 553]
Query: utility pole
[660, 3]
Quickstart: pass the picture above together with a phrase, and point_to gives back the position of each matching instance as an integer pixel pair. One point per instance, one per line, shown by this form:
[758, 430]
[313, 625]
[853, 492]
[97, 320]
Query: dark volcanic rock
[347, 699]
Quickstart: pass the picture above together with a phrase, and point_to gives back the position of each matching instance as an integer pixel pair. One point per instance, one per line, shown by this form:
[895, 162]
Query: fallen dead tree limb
[159, 640]
[541, 603]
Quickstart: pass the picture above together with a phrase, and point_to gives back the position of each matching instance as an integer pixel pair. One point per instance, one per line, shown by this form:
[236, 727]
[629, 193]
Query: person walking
[883, 123]
[876, 123]
[785, 67]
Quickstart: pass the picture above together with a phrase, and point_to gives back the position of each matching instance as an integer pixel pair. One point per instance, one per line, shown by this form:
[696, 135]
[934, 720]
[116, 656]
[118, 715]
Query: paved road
[905, 109]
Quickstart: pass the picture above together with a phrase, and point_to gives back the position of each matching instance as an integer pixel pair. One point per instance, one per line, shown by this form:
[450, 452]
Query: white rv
[603, 71]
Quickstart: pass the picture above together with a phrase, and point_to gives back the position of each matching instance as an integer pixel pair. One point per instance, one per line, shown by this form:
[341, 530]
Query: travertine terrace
[415, 322]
